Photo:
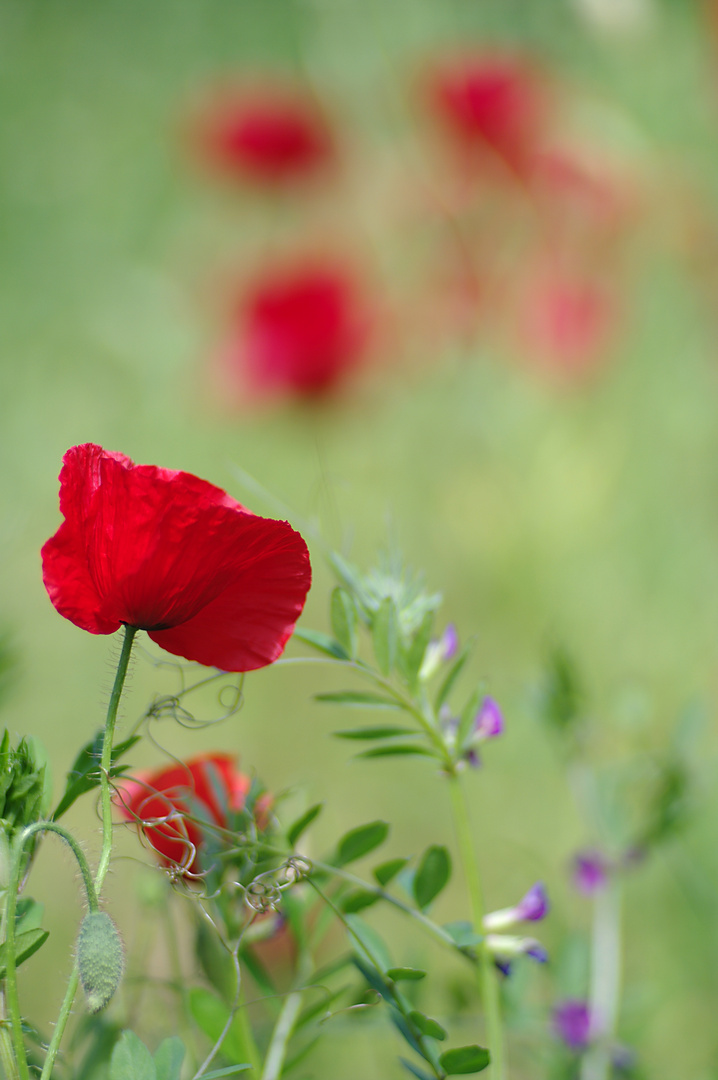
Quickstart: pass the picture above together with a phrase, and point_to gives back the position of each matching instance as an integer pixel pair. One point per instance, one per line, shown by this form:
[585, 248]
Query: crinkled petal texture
[171, 554]
[172, 804]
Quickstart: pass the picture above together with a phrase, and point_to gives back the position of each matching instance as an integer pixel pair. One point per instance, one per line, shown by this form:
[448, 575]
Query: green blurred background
[581, 512]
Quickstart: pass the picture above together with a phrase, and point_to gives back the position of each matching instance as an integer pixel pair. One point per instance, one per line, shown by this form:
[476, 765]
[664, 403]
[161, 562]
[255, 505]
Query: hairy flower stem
[488, 979]
[10, 917]
[106, 803]
[605, 981]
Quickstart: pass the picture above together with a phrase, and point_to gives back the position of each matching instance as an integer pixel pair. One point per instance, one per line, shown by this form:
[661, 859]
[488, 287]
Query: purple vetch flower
[572, 1023]
[590, 871]
[449, 642]
[438, 651]
[489, 721]
[532, 907]
[504, 947]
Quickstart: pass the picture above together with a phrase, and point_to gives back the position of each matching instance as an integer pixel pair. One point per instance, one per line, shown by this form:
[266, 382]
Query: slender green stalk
[106, 759]
[281, 1035]
[605, 980]
[7, 1053]
[488, 980]
[11, 910]
[106, 803]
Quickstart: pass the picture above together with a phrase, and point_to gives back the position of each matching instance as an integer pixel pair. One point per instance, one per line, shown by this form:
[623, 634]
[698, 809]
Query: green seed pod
[100, 959]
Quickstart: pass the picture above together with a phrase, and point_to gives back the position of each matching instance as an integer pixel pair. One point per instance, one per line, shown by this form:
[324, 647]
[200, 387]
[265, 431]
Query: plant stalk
[488, 979]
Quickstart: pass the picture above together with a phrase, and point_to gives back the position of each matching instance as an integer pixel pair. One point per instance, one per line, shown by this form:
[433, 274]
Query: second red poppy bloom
[171, 554]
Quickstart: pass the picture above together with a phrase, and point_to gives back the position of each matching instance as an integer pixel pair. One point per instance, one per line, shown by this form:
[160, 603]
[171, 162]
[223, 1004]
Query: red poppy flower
[267, 136]
[566, 320]
[490, 102]
[302, 329]
[170, 805]
[173, 555]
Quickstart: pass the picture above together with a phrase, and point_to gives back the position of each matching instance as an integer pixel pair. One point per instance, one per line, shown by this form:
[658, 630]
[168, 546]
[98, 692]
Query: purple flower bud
[449, 642]
[572, 1023]
[489, 720]
[503, 947]
[534, 905]
[590, 871]
[472, 757]
[531, 908]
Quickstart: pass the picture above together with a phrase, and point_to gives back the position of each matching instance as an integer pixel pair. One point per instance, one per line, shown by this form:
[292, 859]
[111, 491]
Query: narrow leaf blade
[465, 1059]
[432, 875]
[358, 842]
[302, 823]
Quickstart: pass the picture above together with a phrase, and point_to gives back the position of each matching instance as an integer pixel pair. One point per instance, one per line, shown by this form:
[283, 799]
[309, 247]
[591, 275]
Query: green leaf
[26, 945]
[28, 914]
[368, 944]
[359, 899]
[384, 732]
[358, 842]
[415, 653]
[131, 1060]
[322, 642]
[405, 974]
[385, 635]
[395, 751]
[463, 934]
[432, 874]
[388, 870]
[230, 1070]
[85, 772]
[345, 620]
[426, 1025]
[169, 1056]
[451, 676]
[360, 697]
[211, 1014]
[302, 823]
[465, 1059]
[415, 1071]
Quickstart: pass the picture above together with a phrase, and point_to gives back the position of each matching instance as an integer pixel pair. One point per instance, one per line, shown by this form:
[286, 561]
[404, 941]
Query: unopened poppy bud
[100, 959]
[531, 908]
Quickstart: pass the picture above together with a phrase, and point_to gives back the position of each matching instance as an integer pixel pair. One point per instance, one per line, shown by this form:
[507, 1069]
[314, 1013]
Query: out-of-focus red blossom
[268, 136]
[301, 328]
[565, 321]
[170, 805]
[586, 194]
[171, 554]
[494, 103]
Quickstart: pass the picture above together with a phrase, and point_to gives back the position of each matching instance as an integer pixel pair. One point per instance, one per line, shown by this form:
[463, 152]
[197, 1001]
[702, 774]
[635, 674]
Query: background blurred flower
[301, 329]
[590, 871]
[170, 805]
[572, 1023]
[565, 320]
[491, 104]
[171, 554]
[270, 135]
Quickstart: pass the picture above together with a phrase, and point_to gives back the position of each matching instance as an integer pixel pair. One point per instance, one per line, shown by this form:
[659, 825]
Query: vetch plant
[145, 548]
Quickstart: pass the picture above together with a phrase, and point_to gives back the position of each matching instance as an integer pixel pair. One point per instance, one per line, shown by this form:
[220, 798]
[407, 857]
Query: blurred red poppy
[491, 103]
[171, 554]
[170, 805]
[268, 135]
[566, 320]
[302, 328]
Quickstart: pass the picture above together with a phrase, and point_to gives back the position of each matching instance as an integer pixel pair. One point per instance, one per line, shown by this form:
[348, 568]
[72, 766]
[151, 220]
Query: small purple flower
[572, 1023]
[590, 871]
[504, 947]
[449, 642]
[532, 907]
[489, 720]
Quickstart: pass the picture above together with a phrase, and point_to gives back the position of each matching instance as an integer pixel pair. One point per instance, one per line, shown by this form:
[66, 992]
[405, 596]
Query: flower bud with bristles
[100, 959]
